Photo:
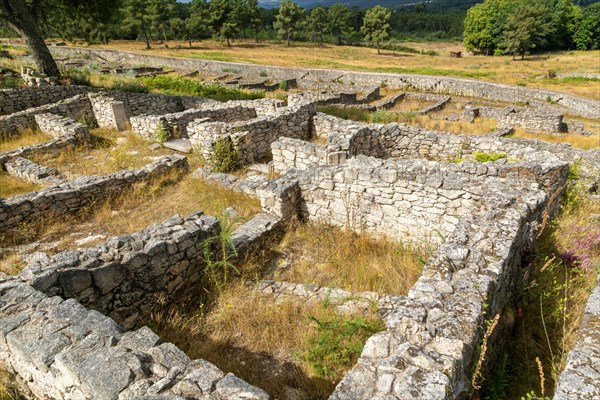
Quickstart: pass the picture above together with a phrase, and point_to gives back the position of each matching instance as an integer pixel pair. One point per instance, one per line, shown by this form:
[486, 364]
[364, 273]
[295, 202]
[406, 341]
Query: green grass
[169, 84]
[338, 342]
[432, 71]
[487, 157]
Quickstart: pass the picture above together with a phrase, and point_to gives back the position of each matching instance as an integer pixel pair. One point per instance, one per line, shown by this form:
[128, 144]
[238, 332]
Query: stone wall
[346, 139]
[77, 108]
[416, 201]
[579, 379]
[535, 120]
[14, 100]
[253, 138]
[71, 196]
[321, 98]
[125, 277]
[436, 84]
[57, 126]
[109, 112]
[57, 349]
[175, 125]
[27, 170]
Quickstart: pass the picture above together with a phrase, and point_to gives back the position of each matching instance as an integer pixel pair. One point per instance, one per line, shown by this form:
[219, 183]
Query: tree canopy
[376, 25]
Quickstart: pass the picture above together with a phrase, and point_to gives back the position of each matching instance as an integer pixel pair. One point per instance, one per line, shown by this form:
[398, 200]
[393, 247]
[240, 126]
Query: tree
[317, 22]
[253, 14]
[161, 12]
[26, 17]
[222, 20]
[137, 16]
[288, 20]
[339, 21]
[525, 29]
[587, 35]
[485, 23]
[376, 25]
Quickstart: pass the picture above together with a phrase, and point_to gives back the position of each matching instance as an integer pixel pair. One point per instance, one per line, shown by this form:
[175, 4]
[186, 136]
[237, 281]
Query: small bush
[161, 134]
[283, 85]
[551, 73]
[225, 156]
[263, 73]
[487, 157]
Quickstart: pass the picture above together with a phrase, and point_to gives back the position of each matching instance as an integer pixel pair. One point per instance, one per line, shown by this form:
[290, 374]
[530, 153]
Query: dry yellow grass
[109, 152]
[11, 186]
[331, 257]
[477, 127]
[26, 138]
[145, 204]
[578, 141]
[500, 69]
[258, 339]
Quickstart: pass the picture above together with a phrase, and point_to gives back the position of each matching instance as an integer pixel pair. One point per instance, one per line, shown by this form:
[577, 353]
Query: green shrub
[129, 85]
[224, 157]
[283, 85]
[161, 134]
[551, 73]
[263, 73]
[338, 343]
[486, 157]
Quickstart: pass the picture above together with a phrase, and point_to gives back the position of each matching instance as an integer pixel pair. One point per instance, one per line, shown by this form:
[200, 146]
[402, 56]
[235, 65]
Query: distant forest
[231, 20]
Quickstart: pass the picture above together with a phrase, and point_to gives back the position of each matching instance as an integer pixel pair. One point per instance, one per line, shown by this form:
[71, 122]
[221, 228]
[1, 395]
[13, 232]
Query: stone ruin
[70, 322]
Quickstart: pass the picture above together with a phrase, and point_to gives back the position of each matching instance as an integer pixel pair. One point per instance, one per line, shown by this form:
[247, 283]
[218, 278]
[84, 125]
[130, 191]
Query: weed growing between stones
[563, 267]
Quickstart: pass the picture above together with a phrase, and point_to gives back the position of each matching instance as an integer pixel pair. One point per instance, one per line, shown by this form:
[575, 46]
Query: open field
[531, 72]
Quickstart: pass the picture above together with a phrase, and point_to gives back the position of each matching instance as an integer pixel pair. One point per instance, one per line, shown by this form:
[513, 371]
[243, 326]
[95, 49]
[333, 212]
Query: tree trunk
[20, 19]
[228, 44]
[378, 52]
[321, 38]
[145, 33]
[339, 40]
[164, 33]
[288, 40]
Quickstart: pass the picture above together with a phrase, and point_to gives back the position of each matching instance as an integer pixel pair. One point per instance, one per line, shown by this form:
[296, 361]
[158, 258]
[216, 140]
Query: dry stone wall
[29, 171]
[579, 379]
[535, 120]
[57, 349]
[346, 139]
[77, 108]
[57, 126]
[71, 196]
[15, 100]
[175, 125]
[253, 138]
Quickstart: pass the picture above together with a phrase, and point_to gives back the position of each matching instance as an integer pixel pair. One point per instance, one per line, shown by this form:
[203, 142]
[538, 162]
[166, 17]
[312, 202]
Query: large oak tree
[26, 17]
